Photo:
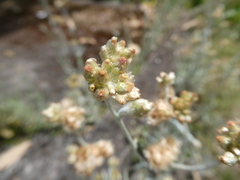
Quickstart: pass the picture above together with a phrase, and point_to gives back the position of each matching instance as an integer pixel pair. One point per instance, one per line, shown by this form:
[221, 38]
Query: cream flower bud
[91, 87]
[111, 88]
[229, 141]
[104, 53]
[228, 158]
[120, 99]
[133, 95]
[165, 78]
[102, 94]
[101, 76]
[124, 87]
[140, 107]
[223, 141]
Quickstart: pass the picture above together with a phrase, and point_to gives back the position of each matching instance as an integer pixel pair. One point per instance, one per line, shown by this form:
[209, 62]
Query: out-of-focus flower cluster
[162, 111]
[160, 155]
[169, 105]
[75, 80]
[165, 78]
[183, 104]
[229, 140]
[86, 158]
[66, 113]
[111, 77]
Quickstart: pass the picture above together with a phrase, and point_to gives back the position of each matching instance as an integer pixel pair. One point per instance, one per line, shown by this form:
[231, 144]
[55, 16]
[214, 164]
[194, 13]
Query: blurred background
[43, 43]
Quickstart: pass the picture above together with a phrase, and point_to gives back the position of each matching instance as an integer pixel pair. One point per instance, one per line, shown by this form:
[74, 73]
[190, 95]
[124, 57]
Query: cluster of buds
[182, 105]
[66, 113]
[165, 78]
[74, 80]
[165, 82]
[229, 140]
[111, 77]
[168, 105]
[162, 111]
[87, 158]
[160, 155]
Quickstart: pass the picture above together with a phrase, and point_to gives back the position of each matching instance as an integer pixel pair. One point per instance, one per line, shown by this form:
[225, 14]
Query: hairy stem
[80, 139]
[124, 128]
[198, 167]
[184, 130]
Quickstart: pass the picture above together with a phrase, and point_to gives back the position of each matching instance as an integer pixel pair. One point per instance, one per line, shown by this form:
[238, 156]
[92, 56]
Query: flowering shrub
[110, 79]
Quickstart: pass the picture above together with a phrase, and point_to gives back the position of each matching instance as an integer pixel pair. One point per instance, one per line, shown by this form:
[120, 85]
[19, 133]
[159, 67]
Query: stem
[199, 167]
[80, 138]
[124, 128]
[81, 141]
[184, 130]
[166, 92]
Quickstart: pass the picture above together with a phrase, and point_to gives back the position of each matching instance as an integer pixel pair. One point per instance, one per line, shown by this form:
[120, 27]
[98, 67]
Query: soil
[28, 60]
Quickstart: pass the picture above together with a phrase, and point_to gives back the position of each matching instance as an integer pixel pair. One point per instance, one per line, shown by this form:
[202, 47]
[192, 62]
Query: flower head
[160, 155]
[229, 140]
[182, 105]
[111, 79]
[66, 113]
[86, 158]
[162, 111]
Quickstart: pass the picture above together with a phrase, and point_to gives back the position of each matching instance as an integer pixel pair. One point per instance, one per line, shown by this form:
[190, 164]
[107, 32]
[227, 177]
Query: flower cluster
[169, 105]
[162, 111]
[65, 112]
[86, 158]
[183, 104]
[111, 77]
[160, 155]
[229, 140]
[165, 78]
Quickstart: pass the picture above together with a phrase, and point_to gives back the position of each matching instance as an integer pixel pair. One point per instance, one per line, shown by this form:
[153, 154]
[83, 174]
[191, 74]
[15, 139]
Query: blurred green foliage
[21, 118]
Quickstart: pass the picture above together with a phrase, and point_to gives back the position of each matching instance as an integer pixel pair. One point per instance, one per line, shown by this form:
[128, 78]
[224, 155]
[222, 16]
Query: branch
[199, 167]
[185, 131]
[124, 128]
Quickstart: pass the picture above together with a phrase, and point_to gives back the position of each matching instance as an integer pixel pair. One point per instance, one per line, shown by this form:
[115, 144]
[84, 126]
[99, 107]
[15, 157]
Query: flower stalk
[123, 127]
[198, 167]
[183, 128]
